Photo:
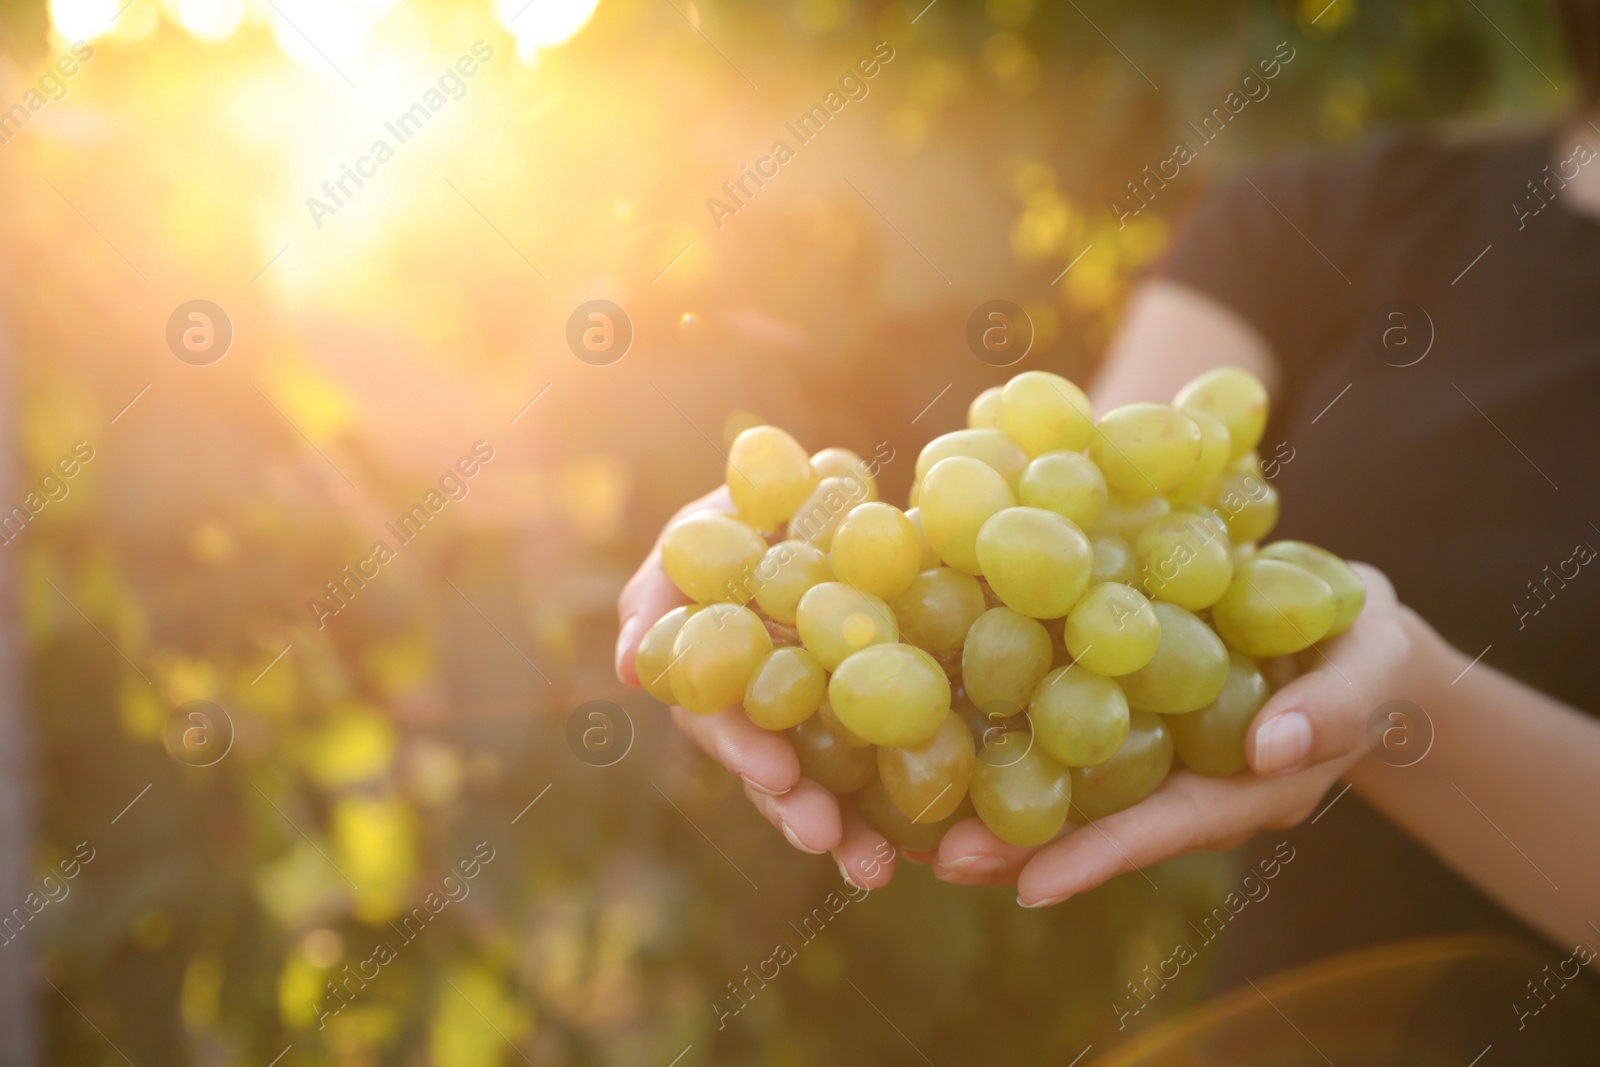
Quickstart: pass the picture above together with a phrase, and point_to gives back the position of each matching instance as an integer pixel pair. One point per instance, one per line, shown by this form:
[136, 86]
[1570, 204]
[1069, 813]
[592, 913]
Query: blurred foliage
[374, 756]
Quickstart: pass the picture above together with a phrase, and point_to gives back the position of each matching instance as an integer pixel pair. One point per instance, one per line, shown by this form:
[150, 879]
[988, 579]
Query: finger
[866, 858]
[1319, 716]
[650, 594]
[807, 816]
[970, 854]
[1186, 813]
[765, 761]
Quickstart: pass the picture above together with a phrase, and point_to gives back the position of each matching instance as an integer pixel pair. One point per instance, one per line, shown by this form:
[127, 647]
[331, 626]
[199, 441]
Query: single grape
[1044, 412]
[1185, 559]
[1187, 671]
[984, 411]
[712, 557]
[1138, 768]
[1037, 562]
[879, 812]
[958, 496]
[1242, 552]
[655, 653]
[1248, 504]
[930, 558]
[990, 447]
[1127, 517]
[894, 695]
[938, 609]
[1349, 594]
[1112, 630]
[843, 463]
[1004, 657]
[1114, 560]
[1216, 448]
[829, 762]
[714, 656]
[1079, 718]
[785, 690]
[1022, 798]
[1067, 483]
[788, 569]
[1273, 608]
[845, 735]
[1236, 397]
[836, 620]
[768, 474]
[817, 518]
[877, 550]
[929, 781]
[1211, 740]
[1144, 450]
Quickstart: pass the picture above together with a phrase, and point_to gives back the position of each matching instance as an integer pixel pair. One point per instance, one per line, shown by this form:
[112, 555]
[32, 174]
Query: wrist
[1432, 663]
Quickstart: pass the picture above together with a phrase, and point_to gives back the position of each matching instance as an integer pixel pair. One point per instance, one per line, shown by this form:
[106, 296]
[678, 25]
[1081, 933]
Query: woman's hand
[808, 816]
[1308, 734]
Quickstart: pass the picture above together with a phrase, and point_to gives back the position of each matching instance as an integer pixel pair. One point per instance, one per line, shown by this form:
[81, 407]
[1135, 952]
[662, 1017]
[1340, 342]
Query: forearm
[1509, 793]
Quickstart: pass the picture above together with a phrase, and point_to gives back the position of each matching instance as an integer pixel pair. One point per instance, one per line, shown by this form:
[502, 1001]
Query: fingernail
[1283, 744]
[624, 640]
[794, 840]
[979, 864]
[845, 874]
[763, 790]
[1047, 902]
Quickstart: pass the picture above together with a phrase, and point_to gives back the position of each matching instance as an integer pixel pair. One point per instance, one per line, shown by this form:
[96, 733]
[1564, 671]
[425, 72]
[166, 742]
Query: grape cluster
[1066, 607]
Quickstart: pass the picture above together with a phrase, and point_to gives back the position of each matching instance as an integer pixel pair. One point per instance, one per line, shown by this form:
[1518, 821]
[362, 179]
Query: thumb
[1318, 717]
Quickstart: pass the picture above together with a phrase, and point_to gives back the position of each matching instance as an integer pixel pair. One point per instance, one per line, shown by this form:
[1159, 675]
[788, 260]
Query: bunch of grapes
[1067, 607]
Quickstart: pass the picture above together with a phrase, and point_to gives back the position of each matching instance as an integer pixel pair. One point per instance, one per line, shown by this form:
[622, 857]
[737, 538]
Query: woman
[1424, 315]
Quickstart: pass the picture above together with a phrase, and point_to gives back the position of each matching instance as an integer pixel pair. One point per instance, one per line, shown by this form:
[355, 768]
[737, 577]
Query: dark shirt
[1470, 476]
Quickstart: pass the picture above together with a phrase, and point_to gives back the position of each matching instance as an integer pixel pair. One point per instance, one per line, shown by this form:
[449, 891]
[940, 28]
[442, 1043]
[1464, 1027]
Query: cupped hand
[808, 816]
[1305, 737]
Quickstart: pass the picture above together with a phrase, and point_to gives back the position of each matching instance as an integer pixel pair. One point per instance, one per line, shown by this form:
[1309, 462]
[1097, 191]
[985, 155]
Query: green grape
[930, 558]
[877, 550]
[1237, 399]
[1144, 450]
[788, 569]
[984, 411]
[1079, 718]
[1112, 630]
[1138, 768]
[655, 653]
[1216, 448]
[769, 474]
[938, 609]
[829, 762]
[1037, 562]
[785, 690]
[1067, 483]
[1185, 559]
[1127, 517]
[845, 735]
[1187, 671]
[1114, 560]
[1248, 504]
[1245, 551]
[1022, 798]
[879, 812]
[712, 557]
[714, 656]
[1211, 740]
[1273, 608]
[927, 782]
[843, 463]
[893, 695]
[990, 447]
[818, 517]
[958, 496]
[1349, 594]
[1044, 412]
[1004, 657]
[836, 620]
